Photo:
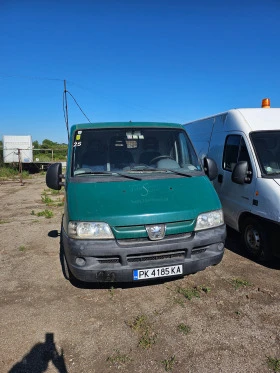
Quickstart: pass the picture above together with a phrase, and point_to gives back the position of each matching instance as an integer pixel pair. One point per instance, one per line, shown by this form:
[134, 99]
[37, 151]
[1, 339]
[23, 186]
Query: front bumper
[115, 260]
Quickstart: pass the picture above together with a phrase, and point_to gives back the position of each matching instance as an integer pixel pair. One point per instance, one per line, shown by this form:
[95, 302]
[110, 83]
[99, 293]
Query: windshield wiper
[109, 173]
[176, 172]
[77, 173]
[147, 168]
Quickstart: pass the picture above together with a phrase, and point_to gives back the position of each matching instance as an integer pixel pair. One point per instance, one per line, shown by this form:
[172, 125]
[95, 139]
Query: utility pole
[66, 109]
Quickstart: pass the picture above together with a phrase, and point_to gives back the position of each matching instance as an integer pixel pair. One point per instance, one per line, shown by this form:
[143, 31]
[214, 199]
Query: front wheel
[255, 239]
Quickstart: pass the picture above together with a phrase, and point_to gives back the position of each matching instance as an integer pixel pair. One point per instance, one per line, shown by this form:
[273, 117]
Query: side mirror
[240, 174]
[210, 168]
[54, 176]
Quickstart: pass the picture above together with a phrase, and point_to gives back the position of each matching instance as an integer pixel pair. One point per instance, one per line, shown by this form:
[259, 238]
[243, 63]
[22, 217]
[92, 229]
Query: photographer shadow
[39, 357]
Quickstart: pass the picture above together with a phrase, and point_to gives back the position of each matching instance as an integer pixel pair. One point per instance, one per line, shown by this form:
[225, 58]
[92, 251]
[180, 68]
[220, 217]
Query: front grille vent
[198, 250]
[146, 240]
[154, 257]
[106, 260]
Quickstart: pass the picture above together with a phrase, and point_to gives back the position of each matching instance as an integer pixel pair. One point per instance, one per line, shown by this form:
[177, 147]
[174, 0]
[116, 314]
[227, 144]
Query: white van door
[235, 198]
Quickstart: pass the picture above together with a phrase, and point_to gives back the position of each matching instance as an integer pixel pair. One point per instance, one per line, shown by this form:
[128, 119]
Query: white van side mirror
[241, 174]
[210, 168]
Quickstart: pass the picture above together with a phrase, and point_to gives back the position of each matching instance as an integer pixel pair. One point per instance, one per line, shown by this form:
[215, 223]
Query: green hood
[127, 203]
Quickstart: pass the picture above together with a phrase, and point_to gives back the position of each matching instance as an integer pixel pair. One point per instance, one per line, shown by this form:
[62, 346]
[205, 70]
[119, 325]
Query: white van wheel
[255, 239]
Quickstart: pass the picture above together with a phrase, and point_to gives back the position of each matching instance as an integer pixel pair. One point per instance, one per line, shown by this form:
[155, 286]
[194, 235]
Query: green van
[139, 204]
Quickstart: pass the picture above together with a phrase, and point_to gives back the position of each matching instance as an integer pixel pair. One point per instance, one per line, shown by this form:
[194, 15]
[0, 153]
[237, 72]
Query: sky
[121, 60]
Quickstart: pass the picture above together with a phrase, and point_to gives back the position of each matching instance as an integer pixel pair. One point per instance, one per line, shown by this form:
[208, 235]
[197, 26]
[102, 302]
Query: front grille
[198, 250]
[146, 240]
[108, 260]
[154, 257]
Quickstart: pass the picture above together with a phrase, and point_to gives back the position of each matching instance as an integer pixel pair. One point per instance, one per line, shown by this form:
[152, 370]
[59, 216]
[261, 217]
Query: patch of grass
[118, 359]
[273, 364]
[9, 172]
[139, 323]
[188, 293]
[147, 335]
[112, 292]
[238, 282]
[59, 203]
[169, 363]
[22, 248]
[46, 213]
[183, 328]
[3, 221]
[205, 289]
[55, 192]
[147, 339]
[46, 199]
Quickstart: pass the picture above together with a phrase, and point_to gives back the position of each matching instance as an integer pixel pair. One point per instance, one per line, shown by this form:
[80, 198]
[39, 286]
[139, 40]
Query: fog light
[80, 261]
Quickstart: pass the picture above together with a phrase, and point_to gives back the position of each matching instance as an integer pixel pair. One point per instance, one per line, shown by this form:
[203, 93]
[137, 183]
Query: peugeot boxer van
[138, 204]
[245, 144]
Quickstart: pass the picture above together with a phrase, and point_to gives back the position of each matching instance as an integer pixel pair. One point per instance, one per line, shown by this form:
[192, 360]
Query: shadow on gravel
[39, 357]
[54, 234]
[233, 243]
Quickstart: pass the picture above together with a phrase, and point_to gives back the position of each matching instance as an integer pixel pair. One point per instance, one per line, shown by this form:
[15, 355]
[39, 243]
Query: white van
[245, 143]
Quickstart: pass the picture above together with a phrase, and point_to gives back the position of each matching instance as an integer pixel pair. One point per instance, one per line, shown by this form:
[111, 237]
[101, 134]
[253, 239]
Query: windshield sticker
[78, 137]
[77, 143]
[135, 135]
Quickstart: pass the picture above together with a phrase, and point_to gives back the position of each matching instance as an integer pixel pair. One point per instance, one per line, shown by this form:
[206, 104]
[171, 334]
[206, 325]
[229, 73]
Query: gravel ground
[223, 319]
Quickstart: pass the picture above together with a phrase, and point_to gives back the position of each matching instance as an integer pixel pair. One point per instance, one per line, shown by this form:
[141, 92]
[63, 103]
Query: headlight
[89, 230]
[209, 220]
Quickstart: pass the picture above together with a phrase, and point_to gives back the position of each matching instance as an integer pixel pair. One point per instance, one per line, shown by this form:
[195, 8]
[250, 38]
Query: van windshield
[136, 150]
[267, 148]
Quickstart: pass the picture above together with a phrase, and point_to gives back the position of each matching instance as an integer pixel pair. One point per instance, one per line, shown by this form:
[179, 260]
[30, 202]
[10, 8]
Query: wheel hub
[253, 238]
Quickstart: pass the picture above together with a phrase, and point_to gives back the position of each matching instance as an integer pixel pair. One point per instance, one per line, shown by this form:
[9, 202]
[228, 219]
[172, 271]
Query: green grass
[46, 199]
[46, 213]
[3, 221]
[188, 293]
[147, 335]
[139, 323]
[273, 364]
[238, 283]
[148, 338]
[183, 328]
[169, 363]
[8, 172]
[22, 248]
[118, 359]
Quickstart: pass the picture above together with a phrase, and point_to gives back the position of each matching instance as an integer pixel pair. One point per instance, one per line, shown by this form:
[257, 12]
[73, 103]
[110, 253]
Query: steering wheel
[160, 157]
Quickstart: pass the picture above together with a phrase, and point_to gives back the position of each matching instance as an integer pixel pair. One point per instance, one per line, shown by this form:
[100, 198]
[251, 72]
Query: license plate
[145, 274]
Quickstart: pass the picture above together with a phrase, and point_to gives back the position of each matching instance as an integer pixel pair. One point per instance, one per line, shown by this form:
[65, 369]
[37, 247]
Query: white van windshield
[133, 151]
[267, 147]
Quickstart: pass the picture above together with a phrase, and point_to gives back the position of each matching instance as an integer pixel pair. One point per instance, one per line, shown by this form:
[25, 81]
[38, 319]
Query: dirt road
[223, 319]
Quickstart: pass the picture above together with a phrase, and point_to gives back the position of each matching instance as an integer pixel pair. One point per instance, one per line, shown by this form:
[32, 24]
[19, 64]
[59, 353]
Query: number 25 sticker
[77, 143]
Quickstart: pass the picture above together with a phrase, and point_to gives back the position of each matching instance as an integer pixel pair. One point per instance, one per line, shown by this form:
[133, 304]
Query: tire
[255, 239]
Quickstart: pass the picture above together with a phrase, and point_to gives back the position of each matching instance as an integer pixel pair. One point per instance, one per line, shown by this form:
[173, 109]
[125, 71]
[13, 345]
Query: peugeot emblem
[156, 232]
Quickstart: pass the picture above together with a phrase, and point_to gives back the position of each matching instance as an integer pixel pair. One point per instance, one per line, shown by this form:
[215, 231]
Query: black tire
[255, 239]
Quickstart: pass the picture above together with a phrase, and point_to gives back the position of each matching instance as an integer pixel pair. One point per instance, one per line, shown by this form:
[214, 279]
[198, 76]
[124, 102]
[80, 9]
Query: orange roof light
[266, 103]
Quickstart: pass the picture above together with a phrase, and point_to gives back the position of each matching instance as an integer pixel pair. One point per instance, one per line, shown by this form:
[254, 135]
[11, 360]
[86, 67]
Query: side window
[235, 151]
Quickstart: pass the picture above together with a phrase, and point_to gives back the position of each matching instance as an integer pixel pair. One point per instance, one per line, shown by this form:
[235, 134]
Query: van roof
[130, 124]
[255, 119]
[259, 119]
